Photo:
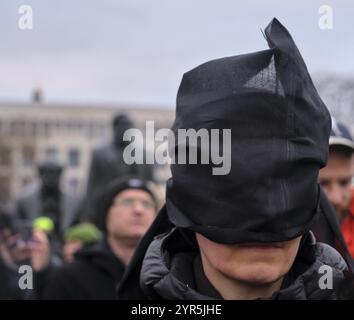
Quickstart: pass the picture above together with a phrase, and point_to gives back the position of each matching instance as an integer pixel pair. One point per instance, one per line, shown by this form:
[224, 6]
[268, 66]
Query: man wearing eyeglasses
[126, 210]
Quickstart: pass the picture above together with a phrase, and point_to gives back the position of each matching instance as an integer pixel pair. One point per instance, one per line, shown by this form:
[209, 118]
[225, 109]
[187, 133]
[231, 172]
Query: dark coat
[93, 275]
[172, 270]
[9, 283]
[9, 288]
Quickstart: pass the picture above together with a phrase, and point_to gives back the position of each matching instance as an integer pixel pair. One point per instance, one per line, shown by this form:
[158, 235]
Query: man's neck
[231, 289]
[123, 249]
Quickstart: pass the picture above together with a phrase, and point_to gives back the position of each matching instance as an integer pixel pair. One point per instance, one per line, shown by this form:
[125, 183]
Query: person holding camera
[22, 245]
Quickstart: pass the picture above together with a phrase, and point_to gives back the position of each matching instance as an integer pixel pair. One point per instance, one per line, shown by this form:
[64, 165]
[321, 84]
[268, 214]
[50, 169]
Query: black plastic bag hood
[279, 140]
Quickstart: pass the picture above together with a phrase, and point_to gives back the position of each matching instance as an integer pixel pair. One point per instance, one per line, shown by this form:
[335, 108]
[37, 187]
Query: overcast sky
[136, 51]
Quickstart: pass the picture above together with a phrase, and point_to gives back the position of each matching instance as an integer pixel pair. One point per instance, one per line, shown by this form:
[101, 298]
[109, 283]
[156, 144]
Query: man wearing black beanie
[127, 209]
[245, 234]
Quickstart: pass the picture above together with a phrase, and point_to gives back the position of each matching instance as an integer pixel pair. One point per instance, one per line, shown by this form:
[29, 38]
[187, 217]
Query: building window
[74, 158]
[46, 129]
[4, 189]
[28, 156]
[91, 130]
[17, 128]
[51, 154]
[5, 156]
[33, 129]
[69, 126]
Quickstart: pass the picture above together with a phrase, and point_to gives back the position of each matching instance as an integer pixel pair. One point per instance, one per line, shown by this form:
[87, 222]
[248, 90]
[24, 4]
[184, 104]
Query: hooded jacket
[9, 276]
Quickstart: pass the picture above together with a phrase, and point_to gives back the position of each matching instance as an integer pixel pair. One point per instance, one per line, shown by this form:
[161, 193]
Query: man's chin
[133, 237]
[256, 276]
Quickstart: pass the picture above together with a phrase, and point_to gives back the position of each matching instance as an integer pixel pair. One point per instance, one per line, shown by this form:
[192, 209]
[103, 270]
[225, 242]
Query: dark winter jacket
[10, 278]
[93, 275]
[172, 269]
[9, 288]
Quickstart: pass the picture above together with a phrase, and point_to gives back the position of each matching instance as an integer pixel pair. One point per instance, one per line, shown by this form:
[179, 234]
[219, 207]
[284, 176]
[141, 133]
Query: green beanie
[85, 232]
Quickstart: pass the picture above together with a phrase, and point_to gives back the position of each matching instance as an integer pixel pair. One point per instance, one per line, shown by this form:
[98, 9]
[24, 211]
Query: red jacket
[348, 227]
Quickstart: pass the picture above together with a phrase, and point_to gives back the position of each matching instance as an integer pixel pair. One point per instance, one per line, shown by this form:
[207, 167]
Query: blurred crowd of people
[77, 248]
